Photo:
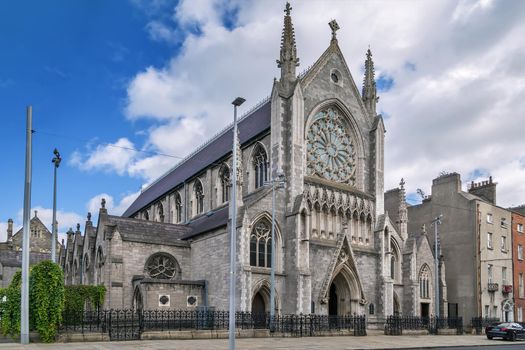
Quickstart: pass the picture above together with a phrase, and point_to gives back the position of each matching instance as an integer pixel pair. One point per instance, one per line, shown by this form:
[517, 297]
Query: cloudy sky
[125, 89]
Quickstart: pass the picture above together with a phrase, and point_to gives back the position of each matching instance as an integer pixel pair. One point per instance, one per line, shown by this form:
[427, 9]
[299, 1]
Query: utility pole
[56, 160]
[24, 307]
[233, 227]
[436, 222]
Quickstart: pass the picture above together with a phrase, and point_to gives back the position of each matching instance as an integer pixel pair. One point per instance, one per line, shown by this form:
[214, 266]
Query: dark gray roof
[251, 126]
[208, 222]
[145, 231]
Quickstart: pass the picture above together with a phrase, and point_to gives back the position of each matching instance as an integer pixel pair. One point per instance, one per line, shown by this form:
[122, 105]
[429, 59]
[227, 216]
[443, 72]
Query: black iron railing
[130, 324]
[396, 324]
[478, 323]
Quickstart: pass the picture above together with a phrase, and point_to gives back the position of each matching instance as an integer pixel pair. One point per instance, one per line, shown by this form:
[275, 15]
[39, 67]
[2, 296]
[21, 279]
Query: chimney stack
[9, 230]
[484, 189]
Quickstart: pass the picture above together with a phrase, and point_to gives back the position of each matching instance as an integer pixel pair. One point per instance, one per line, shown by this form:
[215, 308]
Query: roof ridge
[210, 140]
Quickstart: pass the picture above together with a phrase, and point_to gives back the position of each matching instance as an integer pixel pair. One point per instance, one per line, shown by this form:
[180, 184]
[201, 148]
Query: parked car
[507, 330]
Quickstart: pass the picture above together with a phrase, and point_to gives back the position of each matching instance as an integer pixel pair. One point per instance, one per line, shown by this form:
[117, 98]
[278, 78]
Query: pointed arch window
[424, 283]
[199, 197]
[178, 208]
[224, 175]
[160, 212]
[261, 244]
[260, 165]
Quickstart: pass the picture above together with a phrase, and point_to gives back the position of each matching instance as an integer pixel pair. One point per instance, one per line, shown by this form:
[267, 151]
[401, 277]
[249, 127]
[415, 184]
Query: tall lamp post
[436, 222]
[278, 182]
[24, 299]
[56, 161]
[233, 226]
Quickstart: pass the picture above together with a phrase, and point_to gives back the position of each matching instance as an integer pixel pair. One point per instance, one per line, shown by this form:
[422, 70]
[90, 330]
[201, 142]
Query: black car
[507, 330]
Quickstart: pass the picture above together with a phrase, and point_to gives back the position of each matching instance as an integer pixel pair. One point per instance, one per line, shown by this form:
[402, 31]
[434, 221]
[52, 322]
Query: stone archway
[258, 304]
[341, 299]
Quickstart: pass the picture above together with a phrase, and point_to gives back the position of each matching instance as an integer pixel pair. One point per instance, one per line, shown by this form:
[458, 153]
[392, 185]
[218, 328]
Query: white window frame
[521, 287]
[519, 228]
[489, 240]
[520, 252]
[490, 220]
[489, 273]
[503, 275]
[503, 243]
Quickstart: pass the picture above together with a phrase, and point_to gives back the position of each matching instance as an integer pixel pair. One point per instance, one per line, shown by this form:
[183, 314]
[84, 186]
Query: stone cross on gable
[103, 202]
[334, 26]
[288, 9]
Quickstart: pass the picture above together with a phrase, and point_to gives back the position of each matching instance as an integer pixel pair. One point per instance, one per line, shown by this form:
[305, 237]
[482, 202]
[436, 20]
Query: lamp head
[238, 101]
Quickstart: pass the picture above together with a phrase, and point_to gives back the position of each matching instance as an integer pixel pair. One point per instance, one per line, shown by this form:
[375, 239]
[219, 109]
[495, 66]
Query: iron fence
[396, 324]
[478, 323]
[130, 324]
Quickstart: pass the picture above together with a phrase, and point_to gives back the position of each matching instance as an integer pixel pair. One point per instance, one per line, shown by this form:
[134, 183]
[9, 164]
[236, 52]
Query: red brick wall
[518, 265]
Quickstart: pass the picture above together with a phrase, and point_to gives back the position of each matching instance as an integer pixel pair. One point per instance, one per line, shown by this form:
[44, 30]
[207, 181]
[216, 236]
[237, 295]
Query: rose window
[162, 266]
[330, 149]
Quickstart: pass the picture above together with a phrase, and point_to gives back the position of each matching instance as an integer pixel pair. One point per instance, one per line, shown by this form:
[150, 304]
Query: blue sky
[159, 76]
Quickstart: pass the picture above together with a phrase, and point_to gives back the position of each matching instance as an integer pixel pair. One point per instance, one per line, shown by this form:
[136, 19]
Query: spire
[288, 59]
[402, 210]
[369, 85]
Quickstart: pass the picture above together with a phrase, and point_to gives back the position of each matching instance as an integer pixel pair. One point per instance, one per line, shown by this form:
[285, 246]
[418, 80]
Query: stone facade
[337, 250]
[475, 242]
[11, 250]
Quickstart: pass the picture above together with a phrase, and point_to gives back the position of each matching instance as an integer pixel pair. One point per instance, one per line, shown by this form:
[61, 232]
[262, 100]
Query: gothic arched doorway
[258, 304]
[340, 297]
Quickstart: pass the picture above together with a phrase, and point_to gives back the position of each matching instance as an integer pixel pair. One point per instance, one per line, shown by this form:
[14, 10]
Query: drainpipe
[478, 258]
[206, 294]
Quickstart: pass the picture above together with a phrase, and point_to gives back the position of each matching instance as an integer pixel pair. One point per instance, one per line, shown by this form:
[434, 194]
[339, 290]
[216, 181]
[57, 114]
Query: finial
[287, 9]
[36, 213]
[89, 216]
[10, 220]
[103, 203]
[369, 93]
[424, 229]
[78, 226]
[402, 183]
[335, 27]
[288, 59]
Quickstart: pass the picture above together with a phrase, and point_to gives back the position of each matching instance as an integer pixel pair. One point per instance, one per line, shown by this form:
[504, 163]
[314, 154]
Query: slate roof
[144, 231]
[250, 126]
[208, 222]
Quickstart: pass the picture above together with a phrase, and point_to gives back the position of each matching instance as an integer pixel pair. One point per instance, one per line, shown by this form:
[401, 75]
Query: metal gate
[124, 325]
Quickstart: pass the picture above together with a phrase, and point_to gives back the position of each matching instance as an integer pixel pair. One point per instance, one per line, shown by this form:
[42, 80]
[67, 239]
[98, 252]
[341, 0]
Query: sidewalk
[308, 343]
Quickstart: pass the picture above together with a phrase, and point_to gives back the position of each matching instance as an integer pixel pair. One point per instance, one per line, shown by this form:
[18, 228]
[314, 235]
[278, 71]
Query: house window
[224, 174]
[521, 287]
[489, 218]
[520, 314]
[261, 244]
[503, 275]
[489, 240]
[520, 252]
[489, 272]
[260, 165]
[503, 222]
[495, 314]
[520, 228]
[504, 243]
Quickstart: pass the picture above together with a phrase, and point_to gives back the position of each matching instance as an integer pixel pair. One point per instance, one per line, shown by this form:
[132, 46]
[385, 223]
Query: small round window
[335, 76]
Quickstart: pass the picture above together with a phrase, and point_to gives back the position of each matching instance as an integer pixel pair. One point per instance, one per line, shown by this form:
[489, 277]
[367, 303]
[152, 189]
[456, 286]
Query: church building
[341, 244]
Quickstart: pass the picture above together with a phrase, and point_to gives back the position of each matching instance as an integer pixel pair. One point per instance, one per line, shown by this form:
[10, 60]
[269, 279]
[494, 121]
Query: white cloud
[94, 204]
[3, 231]
[109, 157]
[455, 111]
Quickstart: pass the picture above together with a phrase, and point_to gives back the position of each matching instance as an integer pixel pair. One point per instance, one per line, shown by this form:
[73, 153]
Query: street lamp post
[56, 161]
[233, 226]
[436, 222]
[279, 182]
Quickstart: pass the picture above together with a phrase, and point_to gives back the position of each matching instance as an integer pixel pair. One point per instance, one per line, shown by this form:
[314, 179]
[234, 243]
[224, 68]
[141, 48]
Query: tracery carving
[330, 149]
[162, 266]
